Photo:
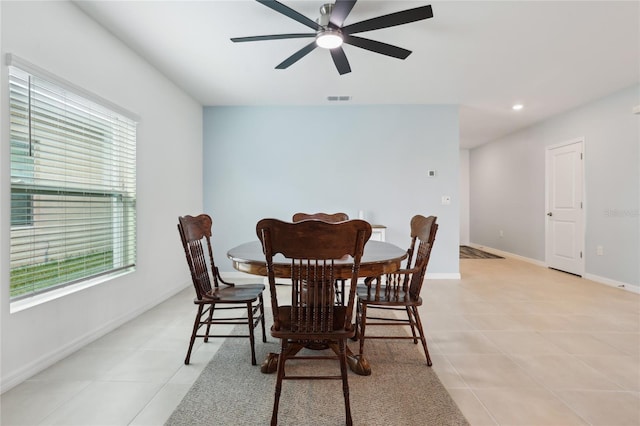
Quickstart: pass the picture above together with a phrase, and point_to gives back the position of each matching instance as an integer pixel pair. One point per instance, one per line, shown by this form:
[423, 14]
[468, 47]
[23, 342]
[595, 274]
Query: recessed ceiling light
[517, 107]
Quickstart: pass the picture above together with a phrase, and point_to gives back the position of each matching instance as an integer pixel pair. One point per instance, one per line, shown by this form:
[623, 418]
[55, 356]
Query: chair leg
[412, 324]
[193, 333]
[345, 381]
[363, 326]
[264, 332]
[414, 309]
[276, 401]
[357, 323]
[209, 319]
[251, 333]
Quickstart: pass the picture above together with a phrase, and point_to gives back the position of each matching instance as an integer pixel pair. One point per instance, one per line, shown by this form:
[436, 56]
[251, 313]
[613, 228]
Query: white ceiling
[484, 56]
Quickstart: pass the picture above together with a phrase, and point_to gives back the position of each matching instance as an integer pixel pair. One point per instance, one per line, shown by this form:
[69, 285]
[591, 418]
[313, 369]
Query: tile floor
[514, 343]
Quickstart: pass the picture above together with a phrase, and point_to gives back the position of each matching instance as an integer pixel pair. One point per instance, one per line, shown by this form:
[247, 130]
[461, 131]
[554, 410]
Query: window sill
[30, 302]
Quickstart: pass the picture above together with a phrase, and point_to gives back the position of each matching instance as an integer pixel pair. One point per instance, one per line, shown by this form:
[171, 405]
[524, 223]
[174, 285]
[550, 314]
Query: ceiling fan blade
[340, 59]
[297, 56]
[287, 11]
[378, 47]
[272, 37]
[341, 10]
[390, 20]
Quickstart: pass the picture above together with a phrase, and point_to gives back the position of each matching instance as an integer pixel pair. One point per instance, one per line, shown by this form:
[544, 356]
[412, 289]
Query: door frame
[548, 149]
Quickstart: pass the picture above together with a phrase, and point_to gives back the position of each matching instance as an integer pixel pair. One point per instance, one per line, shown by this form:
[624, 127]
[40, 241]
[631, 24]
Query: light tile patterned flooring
[514, 343]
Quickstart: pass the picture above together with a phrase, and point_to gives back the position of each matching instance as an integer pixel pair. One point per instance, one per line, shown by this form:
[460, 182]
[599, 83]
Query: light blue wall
[275, 161]
[507, 186]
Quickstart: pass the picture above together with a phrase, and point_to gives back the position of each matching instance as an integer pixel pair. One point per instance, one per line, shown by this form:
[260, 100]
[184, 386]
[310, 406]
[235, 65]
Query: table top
[379, 258]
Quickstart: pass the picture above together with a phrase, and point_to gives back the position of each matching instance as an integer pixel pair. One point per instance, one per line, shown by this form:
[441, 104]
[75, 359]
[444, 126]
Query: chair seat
[235, 294]
[384, 297]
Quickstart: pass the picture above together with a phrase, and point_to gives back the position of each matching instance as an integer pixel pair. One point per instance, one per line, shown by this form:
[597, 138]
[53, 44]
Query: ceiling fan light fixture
[330, 31]
[329, 39]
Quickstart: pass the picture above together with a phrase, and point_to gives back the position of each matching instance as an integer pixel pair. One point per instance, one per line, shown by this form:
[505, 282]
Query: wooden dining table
[379, 258]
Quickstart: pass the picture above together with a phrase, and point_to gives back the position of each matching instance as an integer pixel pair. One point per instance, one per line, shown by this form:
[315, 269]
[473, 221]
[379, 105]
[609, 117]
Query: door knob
[549, 214]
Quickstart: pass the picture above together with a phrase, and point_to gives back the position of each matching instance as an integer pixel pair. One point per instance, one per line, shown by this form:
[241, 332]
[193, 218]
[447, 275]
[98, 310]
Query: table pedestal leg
[358, 364]
[270, 364]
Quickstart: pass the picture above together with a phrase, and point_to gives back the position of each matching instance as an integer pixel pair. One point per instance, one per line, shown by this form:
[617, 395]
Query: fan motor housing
[325, 14]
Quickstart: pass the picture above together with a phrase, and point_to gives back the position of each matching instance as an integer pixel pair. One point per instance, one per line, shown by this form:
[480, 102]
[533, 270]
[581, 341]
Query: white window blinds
[73, 186]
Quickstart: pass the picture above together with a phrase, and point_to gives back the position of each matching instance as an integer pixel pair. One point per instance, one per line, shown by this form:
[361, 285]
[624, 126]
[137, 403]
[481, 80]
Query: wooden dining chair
[311, 315]
[332, 218]
[224, 299]
[399, 291]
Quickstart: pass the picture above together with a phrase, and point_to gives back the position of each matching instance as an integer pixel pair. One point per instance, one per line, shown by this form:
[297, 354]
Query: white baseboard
[443, 276]
[47, 360]
[613, 283]
[600, 280]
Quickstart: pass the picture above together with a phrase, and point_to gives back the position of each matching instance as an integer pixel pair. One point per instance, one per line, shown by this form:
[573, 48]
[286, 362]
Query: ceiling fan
[330, 32]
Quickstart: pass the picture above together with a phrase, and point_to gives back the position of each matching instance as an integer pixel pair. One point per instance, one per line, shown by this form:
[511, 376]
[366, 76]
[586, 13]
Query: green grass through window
[32, 278]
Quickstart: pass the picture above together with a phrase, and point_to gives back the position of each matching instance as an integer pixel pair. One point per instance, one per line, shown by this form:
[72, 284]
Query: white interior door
[565, 207]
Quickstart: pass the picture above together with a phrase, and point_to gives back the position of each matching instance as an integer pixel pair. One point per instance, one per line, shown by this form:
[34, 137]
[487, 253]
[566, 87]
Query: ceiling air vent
[338, 98]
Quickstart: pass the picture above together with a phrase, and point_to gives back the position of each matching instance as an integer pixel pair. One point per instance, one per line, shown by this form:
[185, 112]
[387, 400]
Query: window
[21, 209]
[73, 184]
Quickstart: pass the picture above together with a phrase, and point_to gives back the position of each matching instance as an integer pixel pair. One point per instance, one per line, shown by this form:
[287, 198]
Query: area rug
[467, 252]
[401, 390]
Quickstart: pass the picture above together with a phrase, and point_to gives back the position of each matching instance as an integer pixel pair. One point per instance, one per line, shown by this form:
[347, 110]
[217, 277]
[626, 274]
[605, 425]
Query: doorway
[564, 229]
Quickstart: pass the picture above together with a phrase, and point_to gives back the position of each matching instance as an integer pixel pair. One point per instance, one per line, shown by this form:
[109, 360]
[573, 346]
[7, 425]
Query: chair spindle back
[313, 247]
